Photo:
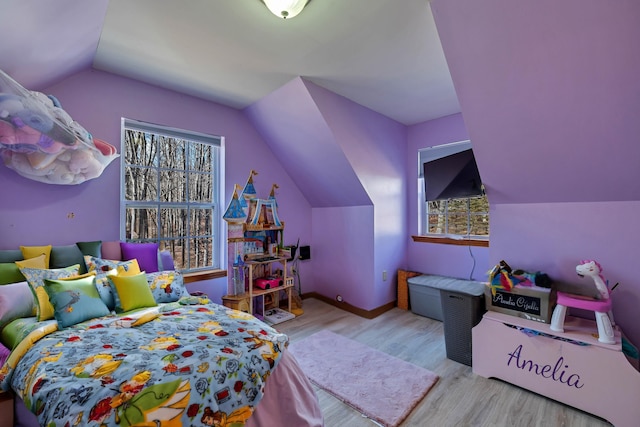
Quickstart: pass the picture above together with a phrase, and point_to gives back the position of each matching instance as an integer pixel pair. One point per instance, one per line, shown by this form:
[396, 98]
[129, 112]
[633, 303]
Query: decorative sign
[522, 303]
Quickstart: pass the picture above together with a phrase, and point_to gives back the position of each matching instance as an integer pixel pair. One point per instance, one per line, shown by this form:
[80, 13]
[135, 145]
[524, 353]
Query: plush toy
[529, 279]
[502, 276]
[85, 164]
[25, 110]
[40, 141]
[52, 173]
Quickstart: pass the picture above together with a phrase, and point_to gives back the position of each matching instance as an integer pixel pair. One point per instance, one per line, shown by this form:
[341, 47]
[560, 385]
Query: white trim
[218, 256]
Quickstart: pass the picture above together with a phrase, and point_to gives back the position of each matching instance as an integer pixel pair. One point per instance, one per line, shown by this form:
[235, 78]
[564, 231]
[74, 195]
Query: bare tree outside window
[170, 191]
[463, 217]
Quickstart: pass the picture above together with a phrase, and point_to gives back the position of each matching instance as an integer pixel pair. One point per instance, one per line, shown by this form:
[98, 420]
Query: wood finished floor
[460, 398]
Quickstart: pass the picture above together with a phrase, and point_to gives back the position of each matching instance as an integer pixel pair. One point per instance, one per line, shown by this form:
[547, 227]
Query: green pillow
[11, 255]
[74, 301]
[64, 256]
[10, 273]
[131, 292]
[91, 248]
[17, 330]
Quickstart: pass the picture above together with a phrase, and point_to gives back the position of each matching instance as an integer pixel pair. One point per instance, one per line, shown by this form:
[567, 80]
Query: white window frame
[433, 153]
[217, 260]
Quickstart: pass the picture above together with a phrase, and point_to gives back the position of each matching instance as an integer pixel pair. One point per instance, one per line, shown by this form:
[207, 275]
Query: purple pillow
[145, 253]
[167, 260]
[4, 354]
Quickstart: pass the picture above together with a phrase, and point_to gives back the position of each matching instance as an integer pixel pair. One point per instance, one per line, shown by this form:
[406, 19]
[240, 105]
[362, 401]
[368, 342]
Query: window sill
[203, 275]
[449, 241]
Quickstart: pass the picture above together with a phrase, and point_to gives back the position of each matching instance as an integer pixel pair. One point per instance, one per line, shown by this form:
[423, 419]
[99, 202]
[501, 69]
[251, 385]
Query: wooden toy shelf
[571, 367]
[255, 292]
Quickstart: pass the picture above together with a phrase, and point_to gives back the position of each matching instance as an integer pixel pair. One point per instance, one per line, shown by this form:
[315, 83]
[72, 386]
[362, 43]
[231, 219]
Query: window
[170, 192]
[464, 216]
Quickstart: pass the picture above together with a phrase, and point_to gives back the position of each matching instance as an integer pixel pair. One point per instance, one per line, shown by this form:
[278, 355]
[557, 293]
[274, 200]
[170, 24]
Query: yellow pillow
[36, 262]
[34, 251]
[128, 268]
[131, 292]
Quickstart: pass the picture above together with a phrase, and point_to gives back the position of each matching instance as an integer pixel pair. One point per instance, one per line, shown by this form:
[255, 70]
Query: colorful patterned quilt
[172, 365]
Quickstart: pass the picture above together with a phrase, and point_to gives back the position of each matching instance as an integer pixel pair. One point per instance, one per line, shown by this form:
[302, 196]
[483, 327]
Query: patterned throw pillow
[102, 267]
[166, 286]
[103, 286]
[75, 300]
[131, 292]
[36, 276]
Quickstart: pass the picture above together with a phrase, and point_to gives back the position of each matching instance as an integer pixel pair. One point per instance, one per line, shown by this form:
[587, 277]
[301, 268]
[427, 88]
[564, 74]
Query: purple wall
[291, 123]
[549, 92]
[34, 213]
[343, 254]
[432, 258]
[349, 161]
[375, 147]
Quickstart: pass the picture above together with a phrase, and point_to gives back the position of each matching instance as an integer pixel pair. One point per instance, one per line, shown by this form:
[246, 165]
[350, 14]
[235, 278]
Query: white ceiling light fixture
[285, 9]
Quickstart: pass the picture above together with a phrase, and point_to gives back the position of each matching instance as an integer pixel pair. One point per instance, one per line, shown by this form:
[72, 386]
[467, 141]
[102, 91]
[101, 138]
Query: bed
[184, 362]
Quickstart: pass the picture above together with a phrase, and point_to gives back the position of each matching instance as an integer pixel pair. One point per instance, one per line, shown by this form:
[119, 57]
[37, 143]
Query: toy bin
[462, 311]
[459, 303]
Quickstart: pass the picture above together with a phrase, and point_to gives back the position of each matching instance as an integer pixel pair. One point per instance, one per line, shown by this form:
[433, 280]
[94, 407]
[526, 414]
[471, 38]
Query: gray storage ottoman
[424, 299]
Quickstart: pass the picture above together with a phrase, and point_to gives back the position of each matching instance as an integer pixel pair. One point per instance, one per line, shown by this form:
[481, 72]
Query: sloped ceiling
[297, 132]
[550, 95]
[44, 42]
[382, 54]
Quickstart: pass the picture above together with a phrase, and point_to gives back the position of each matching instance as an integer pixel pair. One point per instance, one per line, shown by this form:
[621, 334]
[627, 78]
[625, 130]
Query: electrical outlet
[384, 275]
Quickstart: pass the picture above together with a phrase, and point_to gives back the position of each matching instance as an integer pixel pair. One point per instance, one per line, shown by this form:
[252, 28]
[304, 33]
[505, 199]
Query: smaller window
[464, 216]
[461, 217]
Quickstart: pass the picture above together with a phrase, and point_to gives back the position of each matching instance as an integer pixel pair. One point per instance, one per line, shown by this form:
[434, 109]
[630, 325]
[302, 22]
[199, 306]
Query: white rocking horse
[601, 307]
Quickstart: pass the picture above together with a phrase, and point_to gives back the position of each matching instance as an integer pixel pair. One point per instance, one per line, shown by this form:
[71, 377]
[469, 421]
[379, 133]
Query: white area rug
[383, 387]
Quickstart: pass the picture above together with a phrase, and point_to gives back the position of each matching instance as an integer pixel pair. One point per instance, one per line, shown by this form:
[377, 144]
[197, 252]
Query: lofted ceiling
[382, 54]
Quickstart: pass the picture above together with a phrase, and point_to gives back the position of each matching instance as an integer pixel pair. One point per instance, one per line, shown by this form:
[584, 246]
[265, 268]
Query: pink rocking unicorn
[601, 307]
